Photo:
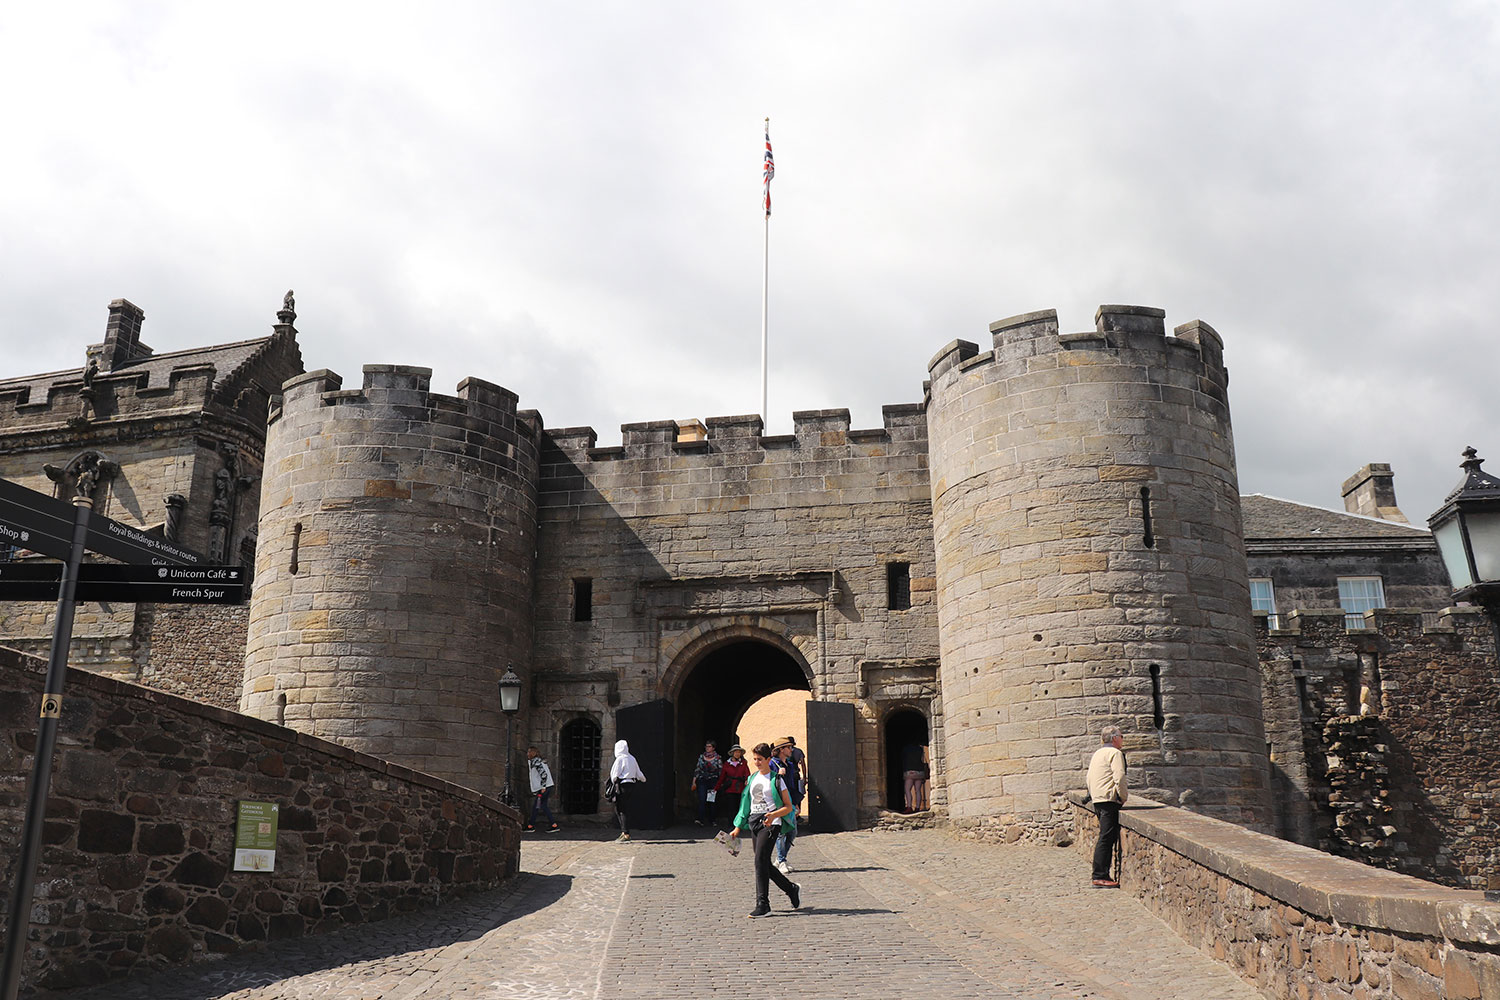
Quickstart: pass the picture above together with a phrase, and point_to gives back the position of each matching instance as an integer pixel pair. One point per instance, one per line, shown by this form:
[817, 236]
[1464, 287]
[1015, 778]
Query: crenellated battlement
[1449, 629]
[903, 430]
[478, 405]
[1119, 330]
[38, 402]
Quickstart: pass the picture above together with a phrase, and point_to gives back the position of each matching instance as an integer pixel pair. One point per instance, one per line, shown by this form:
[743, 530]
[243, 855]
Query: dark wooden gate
[832, 789]
[647, 727]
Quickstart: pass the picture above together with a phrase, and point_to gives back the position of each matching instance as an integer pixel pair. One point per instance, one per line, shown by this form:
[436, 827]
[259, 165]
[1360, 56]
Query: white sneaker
[783, 867]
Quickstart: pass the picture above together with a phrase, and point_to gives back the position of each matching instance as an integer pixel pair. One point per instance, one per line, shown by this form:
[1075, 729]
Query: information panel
[255, 837]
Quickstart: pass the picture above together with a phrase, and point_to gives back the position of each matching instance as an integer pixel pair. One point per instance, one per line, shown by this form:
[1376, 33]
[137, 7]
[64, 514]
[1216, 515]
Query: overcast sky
[565, 199]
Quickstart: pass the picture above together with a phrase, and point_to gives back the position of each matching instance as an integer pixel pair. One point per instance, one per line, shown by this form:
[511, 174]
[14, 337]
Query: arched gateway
[714, 676]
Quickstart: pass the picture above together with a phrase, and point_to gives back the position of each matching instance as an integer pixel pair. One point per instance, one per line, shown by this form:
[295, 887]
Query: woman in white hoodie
[626, 774]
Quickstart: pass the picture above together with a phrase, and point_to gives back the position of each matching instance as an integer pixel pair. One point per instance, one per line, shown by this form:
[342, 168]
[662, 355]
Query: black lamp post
[510, 703]
[1467, 530]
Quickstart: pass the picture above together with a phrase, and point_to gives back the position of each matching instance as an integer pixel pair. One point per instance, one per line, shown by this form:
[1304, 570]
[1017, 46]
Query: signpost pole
[18, 913]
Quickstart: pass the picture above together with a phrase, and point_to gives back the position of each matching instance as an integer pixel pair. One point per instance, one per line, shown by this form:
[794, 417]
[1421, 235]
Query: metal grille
[580, 766]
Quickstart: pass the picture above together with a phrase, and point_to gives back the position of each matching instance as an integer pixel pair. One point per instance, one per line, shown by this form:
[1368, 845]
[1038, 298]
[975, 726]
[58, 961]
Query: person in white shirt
[626, 774]
[541, 785]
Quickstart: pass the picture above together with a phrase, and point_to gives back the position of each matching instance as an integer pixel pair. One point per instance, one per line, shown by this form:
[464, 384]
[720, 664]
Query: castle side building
[171, 443]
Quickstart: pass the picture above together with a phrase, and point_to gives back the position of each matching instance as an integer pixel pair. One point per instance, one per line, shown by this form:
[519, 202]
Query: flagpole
[765, 414]
[765, 284]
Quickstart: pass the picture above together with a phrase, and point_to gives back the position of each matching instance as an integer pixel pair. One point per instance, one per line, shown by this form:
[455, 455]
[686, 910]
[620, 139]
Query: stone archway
[711, 683]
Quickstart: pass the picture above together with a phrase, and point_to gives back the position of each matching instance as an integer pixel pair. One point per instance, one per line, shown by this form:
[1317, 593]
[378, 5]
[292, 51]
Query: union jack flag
[769, 171]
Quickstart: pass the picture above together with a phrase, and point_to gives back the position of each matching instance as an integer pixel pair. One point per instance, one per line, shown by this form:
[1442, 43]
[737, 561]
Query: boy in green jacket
[765, 810]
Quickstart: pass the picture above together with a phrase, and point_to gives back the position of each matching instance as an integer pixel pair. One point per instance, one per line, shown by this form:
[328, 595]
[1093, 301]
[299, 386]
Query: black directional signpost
[126, 584]
[156, 571]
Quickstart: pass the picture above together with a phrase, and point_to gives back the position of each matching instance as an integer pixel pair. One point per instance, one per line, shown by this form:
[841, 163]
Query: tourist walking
[785, 765]
[1107, 789]
[732, 778]
[705, 781]
[765, 809]
[626, 774]
[541, 786]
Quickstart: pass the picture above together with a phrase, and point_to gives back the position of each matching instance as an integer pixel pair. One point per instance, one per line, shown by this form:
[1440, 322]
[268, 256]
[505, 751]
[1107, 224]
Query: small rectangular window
[1263, 598]
[1358, 594]
[583, 599]
[898, 586]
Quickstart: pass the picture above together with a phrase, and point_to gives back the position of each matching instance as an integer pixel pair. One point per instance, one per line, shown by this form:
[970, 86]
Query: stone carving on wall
[173, 525]
[228, 485]
[83, 476]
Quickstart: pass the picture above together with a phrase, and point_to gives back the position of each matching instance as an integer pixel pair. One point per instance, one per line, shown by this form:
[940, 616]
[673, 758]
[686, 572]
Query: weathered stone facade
[394, 574]
[1431, 690]
[1090, 566]
[136, 868]
[779, 548]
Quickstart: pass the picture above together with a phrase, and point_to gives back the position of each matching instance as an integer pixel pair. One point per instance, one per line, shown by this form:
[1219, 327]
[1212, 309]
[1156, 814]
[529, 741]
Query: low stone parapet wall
[1300, 923]
[137, 866]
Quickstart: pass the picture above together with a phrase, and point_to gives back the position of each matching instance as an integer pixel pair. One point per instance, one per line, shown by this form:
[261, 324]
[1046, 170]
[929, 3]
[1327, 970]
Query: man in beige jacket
[1107, 789]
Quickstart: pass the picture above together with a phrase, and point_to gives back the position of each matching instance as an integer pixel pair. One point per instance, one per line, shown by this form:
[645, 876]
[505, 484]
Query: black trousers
[1109, 836]
[622, 804]
[764, 838]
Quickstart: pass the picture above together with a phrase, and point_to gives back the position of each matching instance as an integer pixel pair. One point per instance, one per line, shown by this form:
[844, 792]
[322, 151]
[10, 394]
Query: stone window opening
[1370, 699]
[1158, 716]
[583, 599]
[296, 541]
[579, 746]
[898, 586]
[1148, 539]
[281, 709]
[1351, 690]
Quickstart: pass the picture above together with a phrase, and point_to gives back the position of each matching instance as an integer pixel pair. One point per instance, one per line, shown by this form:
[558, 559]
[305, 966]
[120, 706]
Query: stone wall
[194, 650]
[1298, 923]
[776, 546]
[135, 871]
[1091, 567]
[1432, 685]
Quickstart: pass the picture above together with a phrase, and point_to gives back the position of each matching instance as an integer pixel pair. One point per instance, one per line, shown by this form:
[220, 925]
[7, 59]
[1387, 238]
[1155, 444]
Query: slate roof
[1268, 518]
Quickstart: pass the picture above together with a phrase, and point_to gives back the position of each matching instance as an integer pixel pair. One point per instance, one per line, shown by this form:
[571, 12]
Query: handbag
[713, 795]
[611, 790]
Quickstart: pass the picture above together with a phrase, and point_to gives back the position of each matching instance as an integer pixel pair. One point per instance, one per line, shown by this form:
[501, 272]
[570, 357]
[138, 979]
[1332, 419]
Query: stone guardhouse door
[832, 798]
[647, 727]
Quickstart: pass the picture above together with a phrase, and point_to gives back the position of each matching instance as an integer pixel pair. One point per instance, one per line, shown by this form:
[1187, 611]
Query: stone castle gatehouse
[1049, 541]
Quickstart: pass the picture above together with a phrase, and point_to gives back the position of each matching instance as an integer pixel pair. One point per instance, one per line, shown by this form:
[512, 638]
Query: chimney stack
[1372, 492]
[122, 336]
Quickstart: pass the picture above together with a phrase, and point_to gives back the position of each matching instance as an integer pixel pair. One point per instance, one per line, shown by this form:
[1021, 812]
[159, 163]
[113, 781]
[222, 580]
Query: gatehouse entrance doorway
[714, 697]
[905, 737]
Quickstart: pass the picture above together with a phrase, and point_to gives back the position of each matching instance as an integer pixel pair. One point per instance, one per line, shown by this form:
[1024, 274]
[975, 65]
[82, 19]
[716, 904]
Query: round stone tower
[1091, 569]
[393, 572]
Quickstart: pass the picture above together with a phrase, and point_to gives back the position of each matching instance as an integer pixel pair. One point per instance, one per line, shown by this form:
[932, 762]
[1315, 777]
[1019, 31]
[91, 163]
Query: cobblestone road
[914, 914]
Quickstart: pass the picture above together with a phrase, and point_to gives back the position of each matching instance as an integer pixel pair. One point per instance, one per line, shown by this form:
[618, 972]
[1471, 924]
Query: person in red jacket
[732, 778]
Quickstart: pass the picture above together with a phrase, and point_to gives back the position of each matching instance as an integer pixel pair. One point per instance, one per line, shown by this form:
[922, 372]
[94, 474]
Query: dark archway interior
[905, 729]
[717, 692]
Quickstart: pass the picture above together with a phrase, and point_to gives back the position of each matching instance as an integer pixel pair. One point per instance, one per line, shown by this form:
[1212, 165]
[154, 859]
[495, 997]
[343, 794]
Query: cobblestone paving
[911, 914]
